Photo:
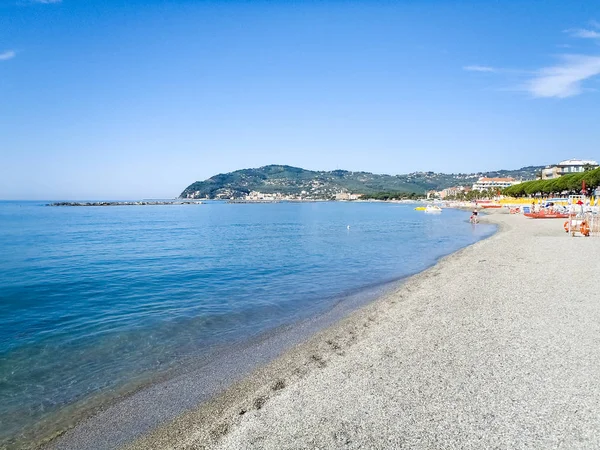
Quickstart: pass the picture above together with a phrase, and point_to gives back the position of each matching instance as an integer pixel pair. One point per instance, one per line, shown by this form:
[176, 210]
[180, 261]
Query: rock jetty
[140, 203]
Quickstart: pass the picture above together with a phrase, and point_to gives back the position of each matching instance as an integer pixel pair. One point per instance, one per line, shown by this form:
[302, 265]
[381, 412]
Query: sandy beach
[496, 346]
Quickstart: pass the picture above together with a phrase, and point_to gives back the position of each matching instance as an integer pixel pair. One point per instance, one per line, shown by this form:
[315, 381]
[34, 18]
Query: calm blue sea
[95, 298]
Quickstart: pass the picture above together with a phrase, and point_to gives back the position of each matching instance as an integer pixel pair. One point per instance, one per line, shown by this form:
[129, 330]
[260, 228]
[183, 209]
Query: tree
[569, 184]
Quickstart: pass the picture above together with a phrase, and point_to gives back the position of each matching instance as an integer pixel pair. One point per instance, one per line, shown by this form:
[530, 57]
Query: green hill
[289, 180]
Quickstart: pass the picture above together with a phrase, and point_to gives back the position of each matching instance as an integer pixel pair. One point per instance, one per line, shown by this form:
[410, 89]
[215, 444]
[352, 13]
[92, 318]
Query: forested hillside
[289, 180]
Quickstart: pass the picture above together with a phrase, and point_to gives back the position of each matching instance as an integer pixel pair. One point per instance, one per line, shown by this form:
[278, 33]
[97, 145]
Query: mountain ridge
[295, 181]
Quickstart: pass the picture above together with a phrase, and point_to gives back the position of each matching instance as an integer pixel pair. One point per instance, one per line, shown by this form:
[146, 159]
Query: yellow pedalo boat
[429, 208]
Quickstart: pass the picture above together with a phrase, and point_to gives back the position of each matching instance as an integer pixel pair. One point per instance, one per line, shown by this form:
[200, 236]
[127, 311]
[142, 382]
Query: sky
[138, 99]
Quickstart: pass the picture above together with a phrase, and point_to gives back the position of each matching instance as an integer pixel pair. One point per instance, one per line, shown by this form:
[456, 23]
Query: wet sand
[495, 346]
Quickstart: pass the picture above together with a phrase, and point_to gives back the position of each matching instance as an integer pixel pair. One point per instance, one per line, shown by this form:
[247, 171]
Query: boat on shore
[546, 215]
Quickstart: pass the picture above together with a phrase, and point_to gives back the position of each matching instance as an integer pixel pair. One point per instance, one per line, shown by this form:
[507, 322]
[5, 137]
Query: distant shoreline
[201, 202]
[139, 203]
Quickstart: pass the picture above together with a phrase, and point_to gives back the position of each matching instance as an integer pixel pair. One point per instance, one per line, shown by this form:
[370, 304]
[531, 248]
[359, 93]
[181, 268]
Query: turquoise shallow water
[93, 298]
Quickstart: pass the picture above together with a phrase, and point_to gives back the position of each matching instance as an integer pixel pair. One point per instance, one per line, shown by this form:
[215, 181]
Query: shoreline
[130, 405]
[196, 365]
[102, 423]
[496, 359]
[214, 418]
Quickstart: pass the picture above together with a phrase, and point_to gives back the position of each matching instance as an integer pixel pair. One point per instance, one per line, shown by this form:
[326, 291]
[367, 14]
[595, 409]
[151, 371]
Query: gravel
[497, 346]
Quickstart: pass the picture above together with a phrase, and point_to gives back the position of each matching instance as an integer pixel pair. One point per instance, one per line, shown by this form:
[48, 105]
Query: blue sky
[139, 99]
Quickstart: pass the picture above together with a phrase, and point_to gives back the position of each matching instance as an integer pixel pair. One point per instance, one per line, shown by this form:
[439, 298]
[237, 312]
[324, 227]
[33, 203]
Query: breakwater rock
[140, 203]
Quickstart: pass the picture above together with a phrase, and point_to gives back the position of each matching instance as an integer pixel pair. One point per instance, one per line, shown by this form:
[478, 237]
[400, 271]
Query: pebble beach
[496, 346]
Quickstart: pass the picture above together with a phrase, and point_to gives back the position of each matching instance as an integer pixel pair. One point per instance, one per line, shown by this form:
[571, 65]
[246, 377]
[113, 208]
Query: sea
[97, 301]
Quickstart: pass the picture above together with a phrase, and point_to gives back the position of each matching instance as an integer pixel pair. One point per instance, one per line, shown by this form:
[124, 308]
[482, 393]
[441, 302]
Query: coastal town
[482, 187]
[495, 185]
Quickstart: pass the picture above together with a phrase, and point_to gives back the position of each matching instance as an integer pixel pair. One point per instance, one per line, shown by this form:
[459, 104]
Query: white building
[485, 183]
[566, 167]
[260, 196]
[347, 196]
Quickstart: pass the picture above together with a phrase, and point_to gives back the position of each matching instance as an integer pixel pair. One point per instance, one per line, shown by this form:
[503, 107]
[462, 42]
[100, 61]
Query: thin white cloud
[46, 2]
[9, 54]
[583, 33]
[564, 80]
[568, 78]
[477, 68]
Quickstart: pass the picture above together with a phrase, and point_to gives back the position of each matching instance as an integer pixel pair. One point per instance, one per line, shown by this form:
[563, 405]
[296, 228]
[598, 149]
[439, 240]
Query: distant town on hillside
[281, 182]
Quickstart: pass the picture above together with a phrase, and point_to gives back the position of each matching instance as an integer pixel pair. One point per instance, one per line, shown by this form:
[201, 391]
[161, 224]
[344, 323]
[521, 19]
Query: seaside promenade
[497, 346]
